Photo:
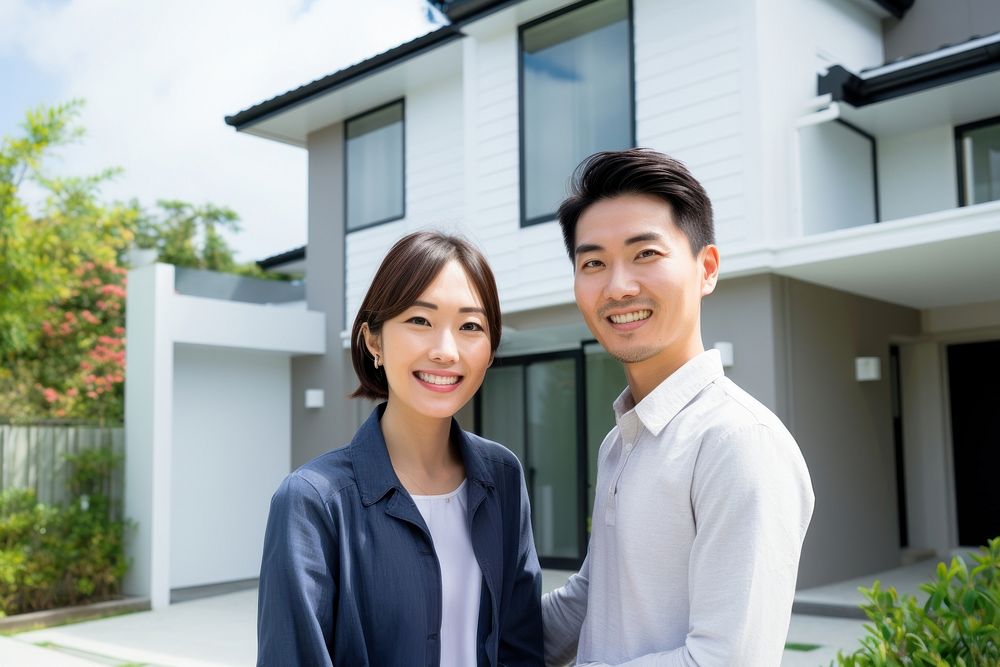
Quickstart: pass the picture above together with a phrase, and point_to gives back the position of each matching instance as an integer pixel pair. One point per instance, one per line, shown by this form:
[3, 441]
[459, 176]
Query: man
[703, 498]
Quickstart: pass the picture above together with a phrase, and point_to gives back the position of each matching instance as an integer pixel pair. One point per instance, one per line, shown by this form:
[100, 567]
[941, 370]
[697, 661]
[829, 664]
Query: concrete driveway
[220, 631]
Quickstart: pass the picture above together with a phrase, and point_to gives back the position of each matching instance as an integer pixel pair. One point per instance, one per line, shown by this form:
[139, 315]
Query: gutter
[951, 65]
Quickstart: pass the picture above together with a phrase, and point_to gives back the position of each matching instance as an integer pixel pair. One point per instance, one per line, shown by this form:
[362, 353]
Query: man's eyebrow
[432, 306]
[642, 238]
[587, 247]
[632, 240]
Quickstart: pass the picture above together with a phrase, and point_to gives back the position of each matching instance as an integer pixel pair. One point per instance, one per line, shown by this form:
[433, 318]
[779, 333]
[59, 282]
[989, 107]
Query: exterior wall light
[867, 369]
[726, 352]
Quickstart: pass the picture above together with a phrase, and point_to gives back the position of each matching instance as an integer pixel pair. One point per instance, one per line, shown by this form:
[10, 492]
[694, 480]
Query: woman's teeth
[438, 379]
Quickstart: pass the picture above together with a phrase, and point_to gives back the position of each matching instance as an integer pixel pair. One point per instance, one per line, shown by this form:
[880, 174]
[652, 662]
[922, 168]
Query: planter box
[49, 617]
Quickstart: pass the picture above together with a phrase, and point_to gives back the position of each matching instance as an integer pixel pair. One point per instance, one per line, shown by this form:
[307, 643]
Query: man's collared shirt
[702, 503]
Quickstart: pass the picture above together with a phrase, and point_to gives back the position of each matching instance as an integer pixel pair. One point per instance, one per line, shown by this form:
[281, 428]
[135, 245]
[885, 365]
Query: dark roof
[333, 81]
[283, 258]
[897, 8]
[926, 73]
[470, 10]
[456, 10]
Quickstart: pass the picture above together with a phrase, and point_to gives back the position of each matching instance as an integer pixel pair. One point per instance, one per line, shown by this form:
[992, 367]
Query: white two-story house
[851, 149]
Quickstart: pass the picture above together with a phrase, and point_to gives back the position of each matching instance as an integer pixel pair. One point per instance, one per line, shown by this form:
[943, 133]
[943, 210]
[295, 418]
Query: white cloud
[158, 78]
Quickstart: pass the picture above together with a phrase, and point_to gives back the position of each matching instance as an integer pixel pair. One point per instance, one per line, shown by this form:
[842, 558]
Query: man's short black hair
[639, 171]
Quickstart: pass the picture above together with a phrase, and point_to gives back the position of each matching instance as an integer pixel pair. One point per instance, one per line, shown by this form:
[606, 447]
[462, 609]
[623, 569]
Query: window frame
[347, 121]
[960, 131]
[524, 221]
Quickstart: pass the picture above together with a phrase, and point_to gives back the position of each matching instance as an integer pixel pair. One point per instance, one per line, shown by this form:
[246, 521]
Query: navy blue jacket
[349, 575]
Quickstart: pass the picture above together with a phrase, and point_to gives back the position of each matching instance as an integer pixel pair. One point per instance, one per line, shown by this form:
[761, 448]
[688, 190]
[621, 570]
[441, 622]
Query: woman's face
[436, 352]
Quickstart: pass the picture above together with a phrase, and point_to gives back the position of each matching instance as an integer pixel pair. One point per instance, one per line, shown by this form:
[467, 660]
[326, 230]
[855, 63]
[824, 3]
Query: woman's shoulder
[501, 459]
[325, 476]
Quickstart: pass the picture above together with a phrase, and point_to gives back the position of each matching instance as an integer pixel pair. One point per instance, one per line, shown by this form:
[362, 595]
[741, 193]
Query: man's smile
[632, 316]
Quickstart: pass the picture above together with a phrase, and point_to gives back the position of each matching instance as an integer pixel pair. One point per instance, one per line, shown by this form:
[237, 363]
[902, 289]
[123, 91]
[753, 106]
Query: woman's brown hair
[407, 270]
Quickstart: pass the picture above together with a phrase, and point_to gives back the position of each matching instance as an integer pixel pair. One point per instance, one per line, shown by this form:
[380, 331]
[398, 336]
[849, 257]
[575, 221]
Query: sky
[159, 76]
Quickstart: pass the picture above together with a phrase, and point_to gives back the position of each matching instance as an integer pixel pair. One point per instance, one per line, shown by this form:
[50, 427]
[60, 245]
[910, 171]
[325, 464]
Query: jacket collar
[373, 468]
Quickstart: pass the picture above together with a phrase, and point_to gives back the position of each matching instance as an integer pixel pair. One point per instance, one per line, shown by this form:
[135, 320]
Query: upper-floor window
[374, 165]
[979, 161]
[576, 97]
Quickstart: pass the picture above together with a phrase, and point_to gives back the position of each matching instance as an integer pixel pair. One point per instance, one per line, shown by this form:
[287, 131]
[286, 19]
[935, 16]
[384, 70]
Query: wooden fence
[34, 456]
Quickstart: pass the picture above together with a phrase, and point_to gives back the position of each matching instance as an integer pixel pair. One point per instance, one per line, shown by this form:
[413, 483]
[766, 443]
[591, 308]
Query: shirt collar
[373, 469]
[670, 396]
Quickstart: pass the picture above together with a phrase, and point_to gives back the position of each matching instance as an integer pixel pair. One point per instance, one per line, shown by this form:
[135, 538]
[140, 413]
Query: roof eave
[245, 119]
[857, 91]
[897, 8]
[260, 112]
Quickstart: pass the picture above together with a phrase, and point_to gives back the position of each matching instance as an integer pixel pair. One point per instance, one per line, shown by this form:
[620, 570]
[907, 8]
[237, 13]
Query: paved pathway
[220, 631]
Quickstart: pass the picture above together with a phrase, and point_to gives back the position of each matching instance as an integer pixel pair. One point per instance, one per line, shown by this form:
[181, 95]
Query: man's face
[637, 283]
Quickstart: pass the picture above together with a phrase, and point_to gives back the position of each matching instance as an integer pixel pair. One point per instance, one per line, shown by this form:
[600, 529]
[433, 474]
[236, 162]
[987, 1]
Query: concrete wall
[185, 443]
[930, 490]
[838, 178]
[231, 449]
[917, 173]
[930, 25]
[968, 317]
[746, 313]
[317, 430]
[844, 427]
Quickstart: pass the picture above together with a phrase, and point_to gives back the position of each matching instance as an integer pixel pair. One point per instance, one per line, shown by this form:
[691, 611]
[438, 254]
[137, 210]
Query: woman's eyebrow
[466, 309]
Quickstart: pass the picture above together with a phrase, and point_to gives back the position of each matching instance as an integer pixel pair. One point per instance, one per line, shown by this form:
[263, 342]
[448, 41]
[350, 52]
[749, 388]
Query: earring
[377, 361]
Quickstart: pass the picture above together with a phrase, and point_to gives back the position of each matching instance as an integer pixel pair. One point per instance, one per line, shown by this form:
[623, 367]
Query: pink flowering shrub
[81, 370]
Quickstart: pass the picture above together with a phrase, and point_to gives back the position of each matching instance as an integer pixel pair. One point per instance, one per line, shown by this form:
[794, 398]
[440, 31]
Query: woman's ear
[372, 342]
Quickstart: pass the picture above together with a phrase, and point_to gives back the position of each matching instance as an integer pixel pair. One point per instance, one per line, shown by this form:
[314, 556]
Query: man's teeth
[625, 318]
[438, 379]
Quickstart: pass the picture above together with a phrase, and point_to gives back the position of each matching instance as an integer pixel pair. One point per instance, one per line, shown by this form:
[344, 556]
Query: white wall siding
[690, 98]
[529, 263]
[434, 183]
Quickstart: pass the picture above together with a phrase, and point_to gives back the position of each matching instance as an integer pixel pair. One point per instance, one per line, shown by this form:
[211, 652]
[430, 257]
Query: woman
[412, 545]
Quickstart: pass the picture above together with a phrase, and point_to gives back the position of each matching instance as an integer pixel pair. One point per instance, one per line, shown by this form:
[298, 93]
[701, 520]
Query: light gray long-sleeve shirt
[702, 504]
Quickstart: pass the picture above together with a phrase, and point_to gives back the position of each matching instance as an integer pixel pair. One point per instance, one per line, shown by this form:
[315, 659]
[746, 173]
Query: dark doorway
[973, 370]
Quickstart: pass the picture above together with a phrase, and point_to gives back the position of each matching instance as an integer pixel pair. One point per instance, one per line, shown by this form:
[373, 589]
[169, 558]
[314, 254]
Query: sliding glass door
[553, 410]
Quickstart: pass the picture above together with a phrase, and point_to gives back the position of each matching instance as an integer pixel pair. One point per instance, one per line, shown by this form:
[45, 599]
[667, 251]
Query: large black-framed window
[576, 97]
[977, 147]
[375, 166]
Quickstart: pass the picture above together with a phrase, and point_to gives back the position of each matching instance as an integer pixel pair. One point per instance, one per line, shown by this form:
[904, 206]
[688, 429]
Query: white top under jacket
[461, 576]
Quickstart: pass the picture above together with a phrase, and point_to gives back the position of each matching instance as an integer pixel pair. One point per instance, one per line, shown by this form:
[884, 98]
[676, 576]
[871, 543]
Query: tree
[63, 273]
[40, 253]
[56, 265]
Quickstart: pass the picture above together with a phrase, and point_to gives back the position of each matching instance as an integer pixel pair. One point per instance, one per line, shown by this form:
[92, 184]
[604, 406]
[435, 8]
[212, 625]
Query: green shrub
[58, 556]
[958, 626]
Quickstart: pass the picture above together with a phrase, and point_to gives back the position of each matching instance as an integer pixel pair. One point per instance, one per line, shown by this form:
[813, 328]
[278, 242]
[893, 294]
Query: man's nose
[621, 284]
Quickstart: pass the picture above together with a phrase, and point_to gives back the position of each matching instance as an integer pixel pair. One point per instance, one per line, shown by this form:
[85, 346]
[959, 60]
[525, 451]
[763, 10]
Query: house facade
[857, 211]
